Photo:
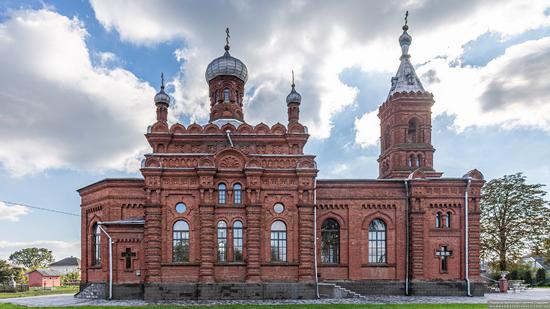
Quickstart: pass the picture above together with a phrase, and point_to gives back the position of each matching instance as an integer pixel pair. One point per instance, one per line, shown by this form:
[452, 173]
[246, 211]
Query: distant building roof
[47, 272]
[69, 261]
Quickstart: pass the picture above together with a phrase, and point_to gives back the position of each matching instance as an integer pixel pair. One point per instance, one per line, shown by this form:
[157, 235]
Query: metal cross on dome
[406, 17]
[227, 36]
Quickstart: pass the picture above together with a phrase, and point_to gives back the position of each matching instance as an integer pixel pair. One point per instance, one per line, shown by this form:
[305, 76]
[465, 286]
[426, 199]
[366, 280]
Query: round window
[278, 208]
[180, 208]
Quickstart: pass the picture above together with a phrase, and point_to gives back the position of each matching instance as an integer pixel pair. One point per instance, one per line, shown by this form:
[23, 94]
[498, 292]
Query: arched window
[330, 245]
[222, 241]
[222, 193]
[410, 161]
[237, 193]
[238, 99]
[226, 95]
[412, 131]
[278, 241]
[377, 241]
[180, 242]
[438, 220]
[448, 220]
[419, 161]
[96, 245]
[238, 241]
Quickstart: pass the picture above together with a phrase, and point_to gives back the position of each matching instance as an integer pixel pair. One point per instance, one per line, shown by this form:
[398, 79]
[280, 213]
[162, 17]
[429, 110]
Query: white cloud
[60, 249]
[367, 129]
[510, 91]
[13, 212]
[58, 109]
[315, 38]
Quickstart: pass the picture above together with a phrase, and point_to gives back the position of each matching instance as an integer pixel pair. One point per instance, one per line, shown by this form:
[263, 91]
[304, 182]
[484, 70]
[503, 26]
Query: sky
[77, 82]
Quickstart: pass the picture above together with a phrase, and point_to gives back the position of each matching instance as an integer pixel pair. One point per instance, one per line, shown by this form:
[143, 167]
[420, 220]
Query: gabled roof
[47, 272]
[69, 261]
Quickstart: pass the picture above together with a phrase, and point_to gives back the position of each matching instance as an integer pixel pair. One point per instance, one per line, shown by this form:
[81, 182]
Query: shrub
[540, 277]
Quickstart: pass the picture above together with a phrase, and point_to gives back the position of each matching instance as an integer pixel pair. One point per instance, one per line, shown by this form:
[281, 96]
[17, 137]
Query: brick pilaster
[305, 243]
[152, 242]
[253, 231]
[417, 244]
[207, 252]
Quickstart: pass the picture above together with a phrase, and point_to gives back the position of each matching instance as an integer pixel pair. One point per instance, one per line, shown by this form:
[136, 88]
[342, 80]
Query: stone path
[538, 295]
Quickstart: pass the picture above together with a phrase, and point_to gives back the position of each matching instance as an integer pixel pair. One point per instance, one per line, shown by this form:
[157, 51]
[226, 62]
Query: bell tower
[226, 77]
[405, 122]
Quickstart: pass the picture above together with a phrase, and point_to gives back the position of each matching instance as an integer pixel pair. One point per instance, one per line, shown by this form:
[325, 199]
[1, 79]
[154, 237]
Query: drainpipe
[315, 237]
[110, 259]
[466, 237]
[229, 138]
[407, 237]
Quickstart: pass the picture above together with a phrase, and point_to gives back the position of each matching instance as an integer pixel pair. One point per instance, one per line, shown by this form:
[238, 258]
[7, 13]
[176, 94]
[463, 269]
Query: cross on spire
[227, 36]
[405, 26]
[162, 80]
[293, 79]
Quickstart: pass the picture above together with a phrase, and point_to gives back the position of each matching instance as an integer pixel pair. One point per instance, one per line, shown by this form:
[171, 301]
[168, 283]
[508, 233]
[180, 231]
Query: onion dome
[293, 96]
[226, 65]
[161, 96]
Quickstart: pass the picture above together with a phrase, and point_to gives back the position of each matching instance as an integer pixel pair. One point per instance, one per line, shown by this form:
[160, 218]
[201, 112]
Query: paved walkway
[532, 295]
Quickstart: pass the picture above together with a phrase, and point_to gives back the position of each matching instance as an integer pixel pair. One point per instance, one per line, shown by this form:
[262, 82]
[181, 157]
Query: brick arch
[230, 158]
[332, 215]
[378, 215]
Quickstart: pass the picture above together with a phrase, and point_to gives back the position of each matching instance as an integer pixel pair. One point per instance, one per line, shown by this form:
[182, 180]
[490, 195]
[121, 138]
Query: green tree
[540, 277]
[5, 271]
[70, 277]
[527, 277]
[32, 258]
[514, 217]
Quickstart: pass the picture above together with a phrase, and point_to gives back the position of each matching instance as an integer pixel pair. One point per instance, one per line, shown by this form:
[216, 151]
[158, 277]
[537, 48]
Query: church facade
[234, 210]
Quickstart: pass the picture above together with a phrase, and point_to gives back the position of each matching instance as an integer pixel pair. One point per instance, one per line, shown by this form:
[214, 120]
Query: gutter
[315, 237]
[110, 259]
[407, 196]
[229, 138]
[466, 237]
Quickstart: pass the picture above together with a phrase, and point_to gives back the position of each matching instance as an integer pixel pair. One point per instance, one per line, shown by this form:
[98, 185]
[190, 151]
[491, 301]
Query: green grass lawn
[38, 291]
[407, 306]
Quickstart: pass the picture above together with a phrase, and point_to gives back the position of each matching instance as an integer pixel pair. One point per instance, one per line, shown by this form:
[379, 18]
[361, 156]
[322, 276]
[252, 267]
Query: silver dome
[162, 97]
[226, 65]
[293, 96]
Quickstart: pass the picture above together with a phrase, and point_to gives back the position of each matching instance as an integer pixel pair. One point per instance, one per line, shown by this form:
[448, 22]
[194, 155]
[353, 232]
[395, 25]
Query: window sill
[332, 265]
[230, 264]
[378, 265]
[180, 264]
[279, 264]
[229, 205]
[95, 267]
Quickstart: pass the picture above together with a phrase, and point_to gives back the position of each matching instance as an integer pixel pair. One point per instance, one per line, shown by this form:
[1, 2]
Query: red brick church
[234, 210]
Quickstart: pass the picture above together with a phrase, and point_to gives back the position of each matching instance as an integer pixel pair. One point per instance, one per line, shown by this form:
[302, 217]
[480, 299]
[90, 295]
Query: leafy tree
[514, 216]
[5, 271]
[513, 275]
[74, 276]
[540, 277]
[32, 258]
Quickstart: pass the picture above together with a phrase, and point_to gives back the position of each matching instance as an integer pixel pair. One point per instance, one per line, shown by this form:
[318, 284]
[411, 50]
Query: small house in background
[66, 265]
[44, 278]
[536, 262]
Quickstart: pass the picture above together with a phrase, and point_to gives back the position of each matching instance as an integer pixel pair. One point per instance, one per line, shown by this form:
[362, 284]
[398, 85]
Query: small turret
[293, 101]
[162, 101]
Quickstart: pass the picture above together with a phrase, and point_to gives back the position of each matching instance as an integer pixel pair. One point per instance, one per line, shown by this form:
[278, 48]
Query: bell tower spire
[405, 121]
